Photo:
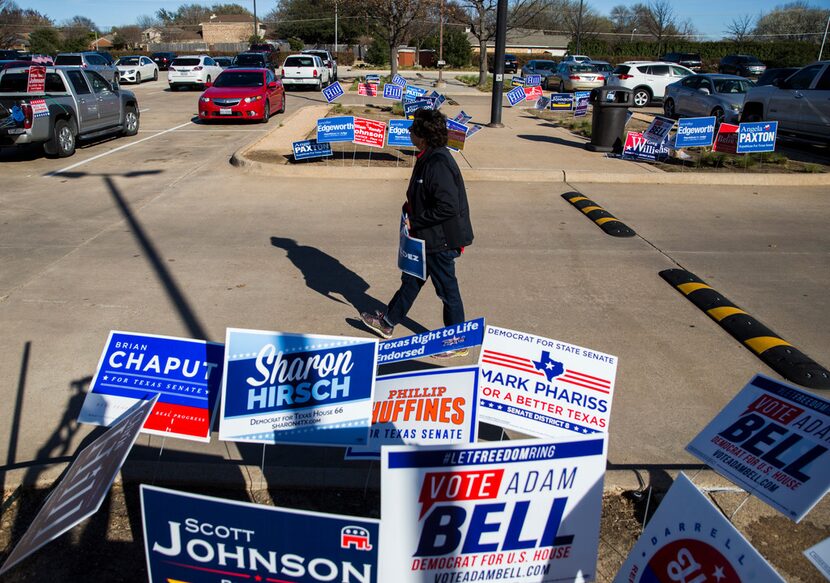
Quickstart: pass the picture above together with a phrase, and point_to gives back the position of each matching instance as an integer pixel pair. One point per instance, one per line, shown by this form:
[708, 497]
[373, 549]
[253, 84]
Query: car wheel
[156, 75]
[282, 106]
[207, 80]
[320, 85]
[62, 143]
[561, 87]
[718, 114]
[641, 97]
[267, 112]
[130, 121]
[668, 108]
[138, 78]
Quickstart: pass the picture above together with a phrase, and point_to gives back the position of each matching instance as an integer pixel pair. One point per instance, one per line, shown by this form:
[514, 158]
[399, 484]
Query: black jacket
[438, 209]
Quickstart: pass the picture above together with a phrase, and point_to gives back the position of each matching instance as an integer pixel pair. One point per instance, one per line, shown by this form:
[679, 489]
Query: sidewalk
[526, 149]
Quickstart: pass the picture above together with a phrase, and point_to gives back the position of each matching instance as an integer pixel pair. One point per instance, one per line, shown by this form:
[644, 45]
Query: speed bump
[777, 353]
[605, 220]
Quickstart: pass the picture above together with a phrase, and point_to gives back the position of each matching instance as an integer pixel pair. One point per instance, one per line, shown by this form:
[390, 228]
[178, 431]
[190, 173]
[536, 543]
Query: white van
[305, 71]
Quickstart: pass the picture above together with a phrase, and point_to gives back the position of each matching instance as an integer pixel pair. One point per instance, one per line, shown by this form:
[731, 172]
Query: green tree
[377, 53]
[457, 49]
[45, 41]
[794, 21]
[296, 44]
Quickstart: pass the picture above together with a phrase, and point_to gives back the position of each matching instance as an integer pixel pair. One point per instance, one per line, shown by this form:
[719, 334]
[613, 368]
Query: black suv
[272, 53]
[689, 60]
[743, 65]
[253, 60]
[511, 64]
[163, 60]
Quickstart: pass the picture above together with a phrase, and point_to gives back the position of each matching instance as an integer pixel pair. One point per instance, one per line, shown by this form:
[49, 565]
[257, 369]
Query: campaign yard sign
[516, 95]
[636, 147]
[689, 539]
[411, 92]
[543, 103]
[369, 132]
[456, 135]
[464, 335]
[771, 440]
[474, 129]
[695, 132]
[533, 92]
[399, 133]
[516, 81]
[367, 89]
[462, 117]
[372, 78]
[533, 80]
[297, 388]
[819, 555]
[333, 91]
[561, 101]
[410, 107]
[757, 137]
[186, 374]
[84, 485]
[659, 129]
[392, 91]
[727, 139]
[201, 539]
[544, 387]
[521, 511]
[412, 257]
[311, 149]
[399, 80]
[433, 407]
[36, 82]
[438, 99]
[581, 107]
[335, 129]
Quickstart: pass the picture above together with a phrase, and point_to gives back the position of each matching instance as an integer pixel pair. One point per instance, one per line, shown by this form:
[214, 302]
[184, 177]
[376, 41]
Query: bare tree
[794, 21]
[128, 37]
[657, 19]
[15, 22]
[146, 21]
[393, 21]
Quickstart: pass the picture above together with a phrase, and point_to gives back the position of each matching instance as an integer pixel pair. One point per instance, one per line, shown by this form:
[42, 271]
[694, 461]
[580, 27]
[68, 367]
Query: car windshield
[732, 85]
[689, 57]
[249, 60]
[186, 62]
[583, 69]
[547, 65]
[68, 60]
[231, 78]
[299, 62]
[128, 61]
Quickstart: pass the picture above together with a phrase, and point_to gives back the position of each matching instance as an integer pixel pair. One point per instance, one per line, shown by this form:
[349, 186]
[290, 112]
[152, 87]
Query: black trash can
[610, 109]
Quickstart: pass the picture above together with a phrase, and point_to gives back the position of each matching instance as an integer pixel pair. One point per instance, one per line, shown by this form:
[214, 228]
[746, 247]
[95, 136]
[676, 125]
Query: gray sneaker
[377, 323]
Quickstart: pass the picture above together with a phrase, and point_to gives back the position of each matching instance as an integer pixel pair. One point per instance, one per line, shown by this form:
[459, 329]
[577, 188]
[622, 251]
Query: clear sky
[710, 17]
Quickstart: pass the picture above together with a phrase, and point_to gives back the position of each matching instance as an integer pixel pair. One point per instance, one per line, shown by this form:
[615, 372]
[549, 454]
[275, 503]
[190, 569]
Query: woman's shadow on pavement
[330, 278]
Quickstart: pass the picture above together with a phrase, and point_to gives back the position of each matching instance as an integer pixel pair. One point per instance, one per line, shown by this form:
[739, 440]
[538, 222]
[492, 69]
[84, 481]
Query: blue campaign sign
[185, 373]
[398, 134]
[201, 539]
[412, 258]
[372, 78]
[464, 335]
[297, 388]
[516, 96]
[695, 132]
[392, 91]
[561, 101]
[533, 80]
[311, 149]
[462, 117]
[581, 108]
[335, 129]
[411, 92]
[409, 108]
[757, 136]
[438, 98]
[474, 129]
[333, 91]
[399, 80]
[517, 81]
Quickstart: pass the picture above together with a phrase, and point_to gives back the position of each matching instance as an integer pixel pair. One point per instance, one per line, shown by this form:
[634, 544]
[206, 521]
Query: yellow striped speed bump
[605, 220]
[777, 353]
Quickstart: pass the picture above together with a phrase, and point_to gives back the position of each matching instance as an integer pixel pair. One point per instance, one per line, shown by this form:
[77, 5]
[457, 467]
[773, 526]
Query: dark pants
[441, 270]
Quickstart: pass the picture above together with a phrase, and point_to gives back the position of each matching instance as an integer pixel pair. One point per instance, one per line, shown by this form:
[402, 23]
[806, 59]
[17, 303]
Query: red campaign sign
[37, 80]
[727, 139]
[369, 132]
[533, 93]
[367, 89]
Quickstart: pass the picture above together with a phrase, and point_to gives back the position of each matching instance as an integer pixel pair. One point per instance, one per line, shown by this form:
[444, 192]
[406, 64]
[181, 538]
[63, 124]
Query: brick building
[230, 28]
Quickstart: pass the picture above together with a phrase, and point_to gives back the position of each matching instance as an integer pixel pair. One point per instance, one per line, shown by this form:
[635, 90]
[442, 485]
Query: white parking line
[143, 110]
[114, 150]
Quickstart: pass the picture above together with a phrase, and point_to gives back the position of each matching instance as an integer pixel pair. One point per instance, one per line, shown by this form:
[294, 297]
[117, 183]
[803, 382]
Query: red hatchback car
[243, 94]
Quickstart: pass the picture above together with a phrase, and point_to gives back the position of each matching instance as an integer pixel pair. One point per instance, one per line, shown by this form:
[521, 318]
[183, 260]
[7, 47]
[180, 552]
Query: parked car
[540, 67]
[603, 67]
[647, 79]
[6, 64]
[107, 57]
[708, 94]
[689, 60]
[305, 71]
[271, 51]
[243, 94]
[224, 62]
[771, 75]
[91, 61]
[743, 65]
[163, 60]
[192, 70]
[576, 59]
[800, 103]
[134, 69]
[10, 55]
[511, 64]
[253, 61]
[80, 103]
[328, 60]
[575, 76]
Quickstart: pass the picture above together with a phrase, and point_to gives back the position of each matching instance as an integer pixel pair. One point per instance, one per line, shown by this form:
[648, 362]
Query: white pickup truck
[77, 104]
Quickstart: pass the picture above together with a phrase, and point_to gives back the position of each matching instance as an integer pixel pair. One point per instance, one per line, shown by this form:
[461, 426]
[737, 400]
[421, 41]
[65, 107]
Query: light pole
[256, 24]
[632, 34]
[579, 29]
[441, 48]
[824, 38]
[335, 26]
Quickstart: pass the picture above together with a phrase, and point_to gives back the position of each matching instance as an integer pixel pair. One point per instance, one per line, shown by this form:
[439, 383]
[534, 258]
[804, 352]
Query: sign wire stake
[645, 515]
[158, 460]
[262, 468]
[354, 154]
[741, 505]
[370, 158]
[368, 474]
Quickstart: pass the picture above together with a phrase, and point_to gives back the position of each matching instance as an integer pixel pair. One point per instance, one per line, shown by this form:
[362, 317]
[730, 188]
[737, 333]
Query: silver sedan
[721, 96]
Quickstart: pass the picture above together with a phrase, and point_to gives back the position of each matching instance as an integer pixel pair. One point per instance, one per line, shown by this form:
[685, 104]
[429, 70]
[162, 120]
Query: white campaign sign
[523, 511]
[432, 407]
[690, 540]
[544, 387]
[771, 439]
[819, 555]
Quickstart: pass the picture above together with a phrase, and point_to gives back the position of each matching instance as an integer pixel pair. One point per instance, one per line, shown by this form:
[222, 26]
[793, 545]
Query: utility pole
[441, 48]
[824, 38]
[335, 26]
[256, 24]
[498, 65]
[579, 29]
